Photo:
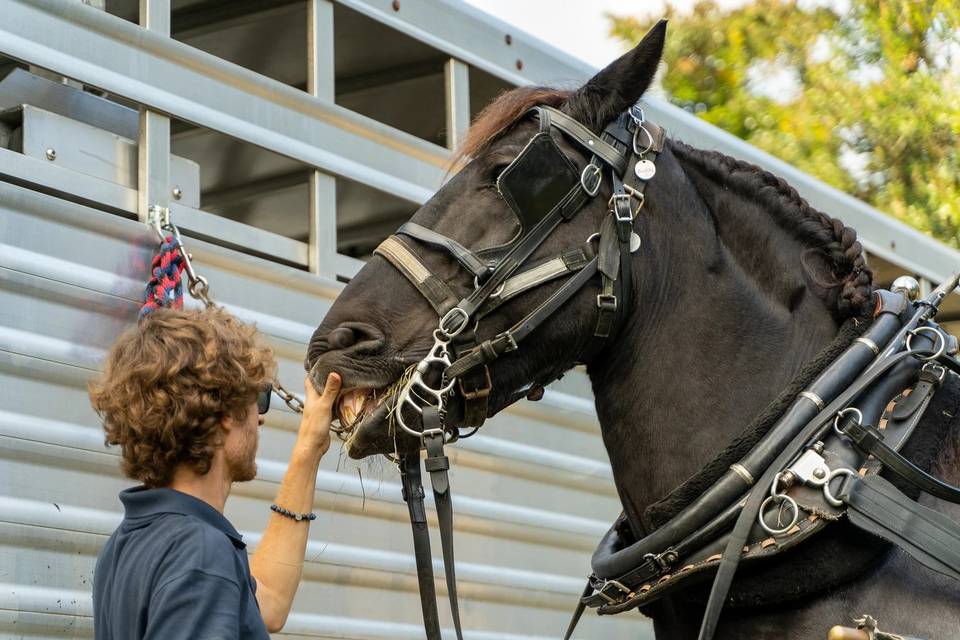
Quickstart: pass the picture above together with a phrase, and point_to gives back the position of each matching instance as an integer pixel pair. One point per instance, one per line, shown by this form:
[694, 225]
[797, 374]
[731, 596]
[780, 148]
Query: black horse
[738, 287]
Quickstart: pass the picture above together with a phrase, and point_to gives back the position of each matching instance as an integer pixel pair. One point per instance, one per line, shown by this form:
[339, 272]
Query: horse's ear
[617, 87]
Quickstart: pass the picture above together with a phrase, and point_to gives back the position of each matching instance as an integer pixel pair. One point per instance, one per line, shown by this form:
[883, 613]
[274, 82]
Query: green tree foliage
[864, 96]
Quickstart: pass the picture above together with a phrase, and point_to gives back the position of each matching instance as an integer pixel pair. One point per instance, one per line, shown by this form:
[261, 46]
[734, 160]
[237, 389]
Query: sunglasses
[263, 399]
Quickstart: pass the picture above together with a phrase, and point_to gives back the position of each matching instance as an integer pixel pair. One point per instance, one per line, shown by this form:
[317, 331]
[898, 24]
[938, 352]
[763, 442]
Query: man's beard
[242, 463]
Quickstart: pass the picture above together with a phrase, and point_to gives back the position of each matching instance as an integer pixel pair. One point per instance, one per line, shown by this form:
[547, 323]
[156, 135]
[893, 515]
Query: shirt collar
[140, 502]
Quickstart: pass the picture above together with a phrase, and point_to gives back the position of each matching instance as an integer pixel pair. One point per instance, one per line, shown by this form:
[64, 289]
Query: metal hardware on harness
[456, 329]
[814, 398]
[827, 493]
[410, 395]
[592, 184]
[840, 414]
[780, 499]
[938, 339]
[741, 471]
[602, 591]
[810, 468]
[870, 345]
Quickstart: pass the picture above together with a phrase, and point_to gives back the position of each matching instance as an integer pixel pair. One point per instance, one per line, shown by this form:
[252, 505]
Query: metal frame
[456, 81]
[168, 77]
[322, 246]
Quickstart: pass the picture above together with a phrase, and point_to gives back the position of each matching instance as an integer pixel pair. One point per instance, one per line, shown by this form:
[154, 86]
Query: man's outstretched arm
[277, 564]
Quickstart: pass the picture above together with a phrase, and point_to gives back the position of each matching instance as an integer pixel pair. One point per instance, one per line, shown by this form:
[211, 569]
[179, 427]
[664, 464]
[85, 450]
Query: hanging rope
[165, 288]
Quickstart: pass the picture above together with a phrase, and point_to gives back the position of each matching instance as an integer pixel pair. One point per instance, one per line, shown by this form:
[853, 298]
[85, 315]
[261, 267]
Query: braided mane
[840, 243]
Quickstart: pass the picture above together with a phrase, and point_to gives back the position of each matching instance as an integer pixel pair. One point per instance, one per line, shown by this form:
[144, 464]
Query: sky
[578, 27]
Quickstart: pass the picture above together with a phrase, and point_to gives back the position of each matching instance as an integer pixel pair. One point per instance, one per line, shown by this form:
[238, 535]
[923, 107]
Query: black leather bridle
[545, 189]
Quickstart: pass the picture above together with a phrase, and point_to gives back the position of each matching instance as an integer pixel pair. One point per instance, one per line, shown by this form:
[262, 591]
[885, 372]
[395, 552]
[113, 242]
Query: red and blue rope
[165, 288]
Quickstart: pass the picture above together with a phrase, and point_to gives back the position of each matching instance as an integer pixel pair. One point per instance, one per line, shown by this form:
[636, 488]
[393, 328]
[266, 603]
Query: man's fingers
[330, 392]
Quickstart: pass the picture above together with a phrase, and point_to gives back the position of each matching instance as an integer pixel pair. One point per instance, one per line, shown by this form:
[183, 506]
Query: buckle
[432, 433]
[511, 344]
[938, 371]
[621, 202]
[590, 179]
[663, 561]
[482, 392]
[457, 315]
[624, 591]
[607, 301]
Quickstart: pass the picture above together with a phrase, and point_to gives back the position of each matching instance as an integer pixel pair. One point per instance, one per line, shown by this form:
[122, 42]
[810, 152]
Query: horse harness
[544, 188]
[819, 461]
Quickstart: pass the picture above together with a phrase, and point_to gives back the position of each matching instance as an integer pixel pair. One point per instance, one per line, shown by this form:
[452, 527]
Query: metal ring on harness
[597, 178]
[636, 147]
[938, 339]
[836, 473]
[455, 331]
[840, 414]
[781, 498]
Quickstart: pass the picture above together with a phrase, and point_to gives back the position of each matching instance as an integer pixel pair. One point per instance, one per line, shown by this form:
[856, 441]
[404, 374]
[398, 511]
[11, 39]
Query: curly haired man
[183, 396]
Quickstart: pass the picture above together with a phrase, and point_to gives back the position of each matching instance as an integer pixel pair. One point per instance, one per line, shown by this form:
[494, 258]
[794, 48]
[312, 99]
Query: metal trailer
[285, 139]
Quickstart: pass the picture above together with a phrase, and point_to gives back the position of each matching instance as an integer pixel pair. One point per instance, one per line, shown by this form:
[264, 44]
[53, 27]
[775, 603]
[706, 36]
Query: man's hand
[318, 413]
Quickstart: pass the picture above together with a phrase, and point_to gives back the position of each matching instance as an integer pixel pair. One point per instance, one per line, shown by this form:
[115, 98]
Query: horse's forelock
[501, 114]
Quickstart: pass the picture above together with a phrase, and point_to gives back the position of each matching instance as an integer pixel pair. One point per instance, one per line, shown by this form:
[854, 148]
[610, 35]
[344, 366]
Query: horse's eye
[494, 172]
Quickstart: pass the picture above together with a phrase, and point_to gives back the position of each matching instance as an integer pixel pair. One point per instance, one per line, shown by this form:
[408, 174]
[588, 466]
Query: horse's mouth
[364, 416]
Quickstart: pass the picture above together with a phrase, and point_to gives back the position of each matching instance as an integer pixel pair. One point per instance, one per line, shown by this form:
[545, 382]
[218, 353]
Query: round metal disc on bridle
[645, 169]
[634, 242]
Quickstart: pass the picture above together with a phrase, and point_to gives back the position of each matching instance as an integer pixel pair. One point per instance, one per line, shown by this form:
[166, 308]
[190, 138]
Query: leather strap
[578, 611]
[437, 465]
[413, 496]
[869, 440]
[508, 341]
[931, 538]
[587, 139]
[435, 290]
[931, 377]
[730, 558]
[464, 256]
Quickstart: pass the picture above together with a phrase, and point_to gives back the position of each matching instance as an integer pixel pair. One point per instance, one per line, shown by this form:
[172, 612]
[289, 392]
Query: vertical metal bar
[925, 287]
[155, 16]
[456, 76]
[323, 188]
[153, 150]
[320, 49]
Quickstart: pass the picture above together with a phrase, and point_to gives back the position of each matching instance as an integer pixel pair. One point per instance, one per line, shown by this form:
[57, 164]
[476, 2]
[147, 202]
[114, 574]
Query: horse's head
[381, 324]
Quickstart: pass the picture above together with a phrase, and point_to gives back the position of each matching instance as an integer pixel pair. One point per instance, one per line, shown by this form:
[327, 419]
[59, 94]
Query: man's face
[240, 448]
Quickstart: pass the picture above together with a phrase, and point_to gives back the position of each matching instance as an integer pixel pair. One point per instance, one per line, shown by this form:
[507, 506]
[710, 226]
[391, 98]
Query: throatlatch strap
[413, 496]
[930, 537]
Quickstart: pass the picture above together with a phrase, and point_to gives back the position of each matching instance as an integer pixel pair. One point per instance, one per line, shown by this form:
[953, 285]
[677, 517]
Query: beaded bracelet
[290, 514]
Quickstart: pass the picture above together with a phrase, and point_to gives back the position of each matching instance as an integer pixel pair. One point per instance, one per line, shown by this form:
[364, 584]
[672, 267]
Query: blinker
[538, 180]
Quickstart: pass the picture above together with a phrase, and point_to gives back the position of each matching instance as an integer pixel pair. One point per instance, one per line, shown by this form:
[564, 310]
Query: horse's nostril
[341, 338]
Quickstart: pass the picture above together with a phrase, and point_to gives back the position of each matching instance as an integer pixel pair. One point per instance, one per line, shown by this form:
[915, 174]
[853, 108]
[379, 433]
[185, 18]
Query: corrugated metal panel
[533, 492]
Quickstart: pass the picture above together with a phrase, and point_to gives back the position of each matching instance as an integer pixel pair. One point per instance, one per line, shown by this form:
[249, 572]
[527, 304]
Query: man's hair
[169, 382]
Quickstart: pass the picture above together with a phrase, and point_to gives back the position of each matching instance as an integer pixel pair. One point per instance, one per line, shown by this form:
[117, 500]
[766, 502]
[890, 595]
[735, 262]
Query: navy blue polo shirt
[174, 568]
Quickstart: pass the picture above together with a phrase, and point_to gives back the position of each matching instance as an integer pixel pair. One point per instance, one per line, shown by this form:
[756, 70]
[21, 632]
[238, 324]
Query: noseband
[544, 188]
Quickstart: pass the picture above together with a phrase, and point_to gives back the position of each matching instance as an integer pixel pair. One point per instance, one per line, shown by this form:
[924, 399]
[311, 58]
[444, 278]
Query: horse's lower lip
[370, 436]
